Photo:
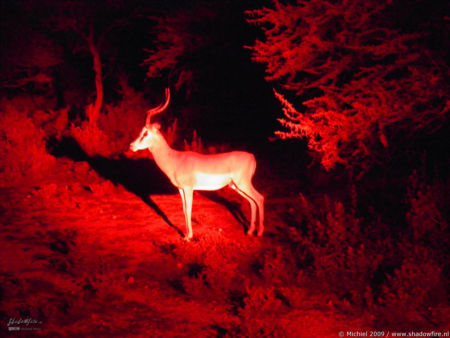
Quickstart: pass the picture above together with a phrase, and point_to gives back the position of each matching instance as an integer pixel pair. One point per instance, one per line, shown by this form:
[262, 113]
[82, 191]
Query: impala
[189, 171]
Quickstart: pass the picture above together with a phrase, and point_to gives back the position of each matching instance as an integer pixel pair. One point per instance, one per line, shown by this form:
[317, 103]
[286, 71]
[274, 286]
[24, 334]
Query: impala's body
[189, 171]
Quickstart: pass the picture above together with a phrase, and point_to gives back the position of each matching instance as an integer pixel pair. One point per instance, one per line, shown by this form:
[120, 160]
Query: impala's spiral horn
[159, 109]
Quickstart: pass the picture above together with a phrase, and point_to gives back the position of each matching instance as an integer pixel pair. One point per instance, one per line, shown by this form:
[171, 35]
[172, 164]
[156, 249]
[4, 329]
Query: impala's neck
[163, 155]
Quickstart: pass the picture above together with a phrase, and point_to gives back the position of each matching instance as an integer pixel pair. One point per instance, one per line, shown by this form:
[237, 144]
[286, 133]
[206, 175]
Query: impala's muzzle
[142, 141]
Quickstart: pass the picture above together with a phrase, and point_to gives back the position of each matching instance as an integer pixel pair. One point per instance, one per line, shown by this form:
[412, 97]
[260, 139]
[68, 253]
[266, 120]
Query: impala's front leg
[186, 197]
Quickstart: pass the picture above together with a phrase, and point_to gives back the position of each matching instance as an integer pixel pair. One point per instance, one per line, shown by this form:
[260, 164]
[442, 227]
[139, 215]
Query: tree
[87, 26]
[189, 42]
[178, 40]
[359, 80]
[78, 17]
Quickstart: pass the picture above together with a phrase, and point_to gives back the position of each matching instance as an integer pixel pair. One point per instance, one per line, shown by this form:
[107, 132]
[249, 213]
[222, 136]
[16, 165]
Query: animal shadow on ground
[233, 207]
[139, 176]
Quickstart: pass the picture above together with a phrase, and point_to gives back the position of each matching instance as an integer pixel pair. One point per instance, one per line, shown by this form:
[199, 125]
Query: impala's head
[150, 134]
[147, 138]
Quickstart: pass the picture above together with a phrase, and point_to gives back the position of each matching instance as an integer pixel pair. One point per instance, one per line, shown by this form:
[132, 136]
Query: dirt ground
[81, 257]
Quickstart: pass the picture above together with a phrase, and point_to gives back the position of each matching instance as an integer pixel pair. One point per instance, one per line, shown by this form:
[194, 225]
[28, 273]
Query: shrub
[117, 125]
[399, 277]
[261, 307]
[414, 289]
[23, 146]
[339, 251]
[91, 139]
[426, 217]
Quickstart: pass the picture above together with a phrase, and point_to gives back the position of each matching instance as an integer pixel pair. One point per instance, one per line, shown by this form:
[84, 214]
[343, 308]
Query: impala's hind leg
[256, 201]
[260, 202]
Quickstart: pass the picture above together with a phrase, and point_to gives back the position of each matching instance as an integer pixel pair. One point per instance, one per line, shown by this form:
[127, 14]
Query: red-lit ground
[85, 257]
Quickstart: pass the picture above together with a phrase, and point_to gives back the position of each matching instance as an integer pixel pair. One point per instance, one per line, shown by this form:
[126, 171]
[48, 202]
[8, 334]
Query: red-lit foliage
[342, 250]
[366, 265]
[428, 224]
[419, 279]
[25, 129]
[359, 80]
[117, 124]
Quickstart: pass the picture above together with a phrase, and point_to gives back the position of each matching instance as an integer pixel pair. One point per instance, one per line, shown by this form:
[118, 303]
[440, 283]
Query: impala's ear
[156, 126]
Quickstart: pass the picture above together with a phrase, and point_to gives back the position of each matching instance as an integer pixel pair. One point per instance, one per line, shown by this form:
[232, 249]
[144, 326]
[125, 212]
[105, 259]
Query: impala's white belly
[211, 181]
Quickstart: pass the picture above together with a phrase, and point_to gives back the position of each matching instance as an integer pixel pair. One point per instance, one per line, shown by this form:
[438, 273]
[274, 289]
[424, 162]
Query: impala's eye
[144, 135]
